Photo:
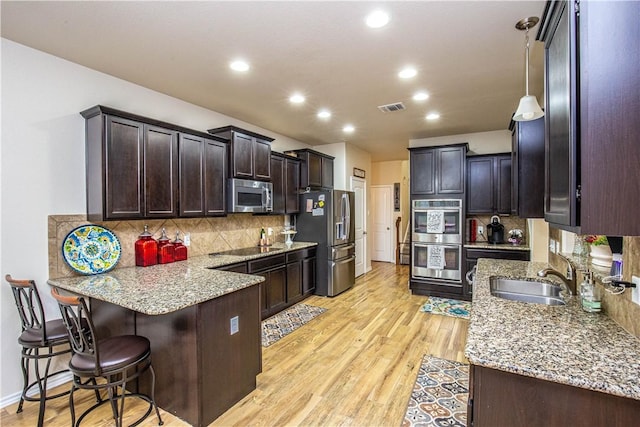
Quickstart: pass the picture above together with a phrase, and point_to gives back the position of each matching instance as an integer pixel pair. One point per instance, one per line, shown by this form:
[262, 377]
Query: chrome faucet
[568, 281]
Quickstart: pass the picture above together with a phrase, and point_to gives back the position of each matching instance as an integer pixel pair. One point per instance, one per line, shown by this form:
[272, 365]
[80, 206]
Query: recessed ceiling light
[348, 128]
[407, 73]
[432, 116]
[239, 65]
[377, 19]
[297, 98]
[324, 114]
[420, 96]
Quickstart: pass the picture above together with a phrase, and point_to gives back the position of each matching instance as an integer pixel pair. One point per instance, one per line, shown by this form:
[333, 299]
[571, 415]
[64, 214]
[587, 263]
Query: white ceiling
[469, 56]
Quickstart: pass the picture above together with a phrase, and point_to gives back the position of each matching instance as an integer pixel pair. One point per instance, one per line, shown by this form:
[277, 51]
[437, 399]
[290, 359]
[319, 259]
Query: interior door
[382, 203]
[358, 186]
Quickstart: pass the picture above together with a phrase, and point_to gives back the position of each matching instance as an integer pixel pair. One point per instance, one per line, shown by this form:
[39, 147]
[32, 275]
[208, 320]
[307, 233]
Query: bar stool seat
[56, 334]
[115, 354]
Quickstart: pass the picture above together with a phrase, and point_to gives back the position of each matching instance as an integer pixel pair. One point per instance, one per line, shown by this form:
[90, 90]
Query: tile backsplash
[510, 223]
[207, 235]
[619, 307]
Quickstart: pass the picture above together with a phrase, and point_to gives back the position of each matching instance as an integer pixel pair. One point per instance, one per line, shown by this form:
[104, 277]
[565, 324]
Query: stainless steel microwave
[249, 196]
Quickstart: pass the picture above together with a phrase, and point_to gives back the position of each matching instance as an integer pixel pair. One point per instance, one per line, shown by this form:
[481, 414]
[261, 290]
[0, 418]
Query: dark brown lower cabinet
[202, 369]
[498, 398]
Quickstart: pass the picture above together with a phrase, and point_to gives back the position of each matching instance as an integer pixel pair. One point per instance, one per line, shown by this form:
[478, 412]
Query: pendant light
[528, 109]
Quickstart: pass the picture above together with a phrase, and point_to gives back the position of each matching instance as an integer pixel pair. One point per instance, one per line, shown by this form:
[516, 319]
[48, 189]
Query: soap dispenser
[590, 294]
[146, 249]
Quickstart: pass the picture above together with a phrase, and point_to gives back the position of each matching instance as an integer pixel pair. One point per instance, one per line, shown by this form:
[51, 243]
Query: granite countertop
[500, 246]
[165, 288]
[563, 344]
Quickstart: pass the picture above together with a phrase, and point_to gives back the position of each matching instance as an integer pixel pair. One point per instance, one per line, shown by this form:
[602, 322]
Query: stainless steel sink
[526, 291]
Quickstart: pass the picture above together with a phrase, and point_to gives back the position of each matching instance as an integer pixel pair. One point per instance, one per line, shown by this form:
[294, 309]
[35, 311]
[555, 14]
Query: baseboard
[54, 382]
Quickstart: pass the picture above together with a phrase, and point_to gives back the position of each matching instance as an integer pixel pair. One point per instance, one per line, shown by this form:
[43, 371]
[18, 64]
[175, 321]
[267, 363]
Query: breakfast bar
[203, 324]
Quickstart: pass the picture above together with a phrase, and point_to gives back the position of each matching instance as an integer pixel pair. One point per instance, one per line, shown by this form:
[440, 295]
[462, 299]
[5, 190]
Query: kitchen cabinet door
[438, 172]
[292, 185]
[121, 194]
[450, 165]
[294, 282]
[423, 172]
[527, 168]
[191, 152]
[202, 176]
[278, 182]
[327, 172]
[215, 184]
[489, 184]
[309, 274]
[480, 185]
[261, 159]
[592, 132]
[242, 159]
[160, 172]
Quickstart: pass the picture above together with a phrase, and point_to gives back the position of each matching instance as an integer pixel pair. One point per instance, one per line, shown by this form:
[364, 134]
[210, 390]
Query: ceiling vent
[390, 108]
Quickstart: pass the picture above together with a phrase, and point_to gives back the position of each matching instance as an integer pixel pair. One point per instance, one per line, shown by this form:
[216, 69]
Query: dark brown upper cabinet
[135, 169]
[249, 153]
[489, 184]
[591, 114]
[285, 177]
[316, 170]
[438, 171]
[527, 168]
[203, 173]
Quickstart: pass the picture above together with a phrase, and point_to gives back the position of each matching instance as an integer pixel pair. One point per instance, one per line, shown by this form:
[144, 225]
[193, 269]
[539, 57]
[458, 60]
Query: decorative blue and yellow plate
[91, 249]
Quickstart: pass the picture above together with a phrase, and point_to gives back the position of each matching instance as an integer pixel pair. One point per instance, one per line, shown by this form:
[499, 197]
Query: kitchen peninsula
[203, 324]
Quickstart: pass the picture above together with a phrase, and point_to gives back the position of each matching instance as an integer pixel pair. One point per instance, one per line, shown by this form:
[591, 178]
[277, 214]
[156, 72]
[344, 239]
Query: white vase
[601, 255]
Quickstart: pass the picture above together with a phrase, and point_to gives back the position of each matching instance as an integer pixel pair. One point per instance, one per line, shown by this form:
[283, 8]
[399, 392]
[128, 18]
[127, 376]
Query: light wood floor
[353, 365]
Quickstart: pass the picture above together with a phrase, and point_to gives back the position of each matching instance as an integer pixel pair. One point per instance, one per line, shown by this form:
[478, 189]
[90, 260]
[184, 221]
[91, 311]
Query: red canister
[180, 249]
[166, 250]
[146, 249]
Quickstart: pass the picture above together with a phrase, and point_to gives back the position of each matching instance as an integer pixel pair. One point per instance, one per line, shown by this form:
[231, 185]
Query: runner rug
[287, 321]
[439, 396]
[447, 307]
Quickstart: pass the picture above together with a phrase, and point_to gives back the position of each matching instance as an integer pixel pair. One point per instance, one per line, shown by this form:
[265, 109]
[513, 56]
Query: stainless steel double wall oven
[437, 234]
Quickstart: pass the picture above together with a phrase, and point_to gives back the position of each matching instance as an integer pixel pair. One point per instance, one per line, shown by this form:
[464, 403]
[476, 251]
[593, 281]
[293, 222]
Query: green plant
[596, 240]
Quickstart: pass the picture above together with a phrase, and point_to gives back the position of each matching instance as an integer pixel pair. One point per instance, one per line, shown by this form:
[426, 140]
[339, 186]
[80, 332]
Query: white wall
[497, 141]
[42, 165]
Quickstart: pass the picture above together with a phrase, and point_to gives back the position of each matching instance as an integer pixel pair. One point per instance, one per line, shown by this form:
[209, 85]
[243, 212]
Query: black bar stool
[38, 339]
[115, 361]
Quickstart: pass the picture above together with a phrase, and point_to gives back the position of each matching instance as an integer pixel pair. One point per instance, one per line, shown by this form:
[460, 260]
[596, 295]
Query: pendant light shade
[528, 109]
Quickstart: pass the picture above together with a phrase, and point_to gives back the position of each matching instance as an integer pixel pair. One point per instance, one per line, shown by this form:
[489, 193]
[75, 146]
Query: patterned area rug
[440, 394]
[447, 307]
[287, 321]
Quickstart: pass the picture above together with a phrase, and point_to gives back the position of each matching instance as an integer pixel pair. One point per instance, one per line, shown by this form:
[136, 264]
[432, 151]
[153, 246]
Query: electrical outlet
[552, 246]
[187, 239]
[480, 230]
[635, 292]
[234, 325]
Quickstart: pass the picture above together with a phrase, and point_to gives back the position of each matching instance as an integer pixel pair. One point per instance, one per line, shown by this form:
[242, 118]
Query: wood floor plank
[353, 365]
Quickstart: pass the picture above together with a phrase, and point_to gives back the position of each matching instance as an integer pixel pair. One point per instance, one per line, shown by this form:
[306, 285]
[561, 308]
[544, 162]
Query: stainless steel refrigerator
[326, 217]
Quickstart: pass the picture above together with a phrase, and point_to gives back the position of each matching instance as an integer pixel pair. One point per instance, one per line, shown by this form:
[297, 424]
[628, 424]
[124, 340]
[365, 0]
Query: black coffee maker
[495, 231]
